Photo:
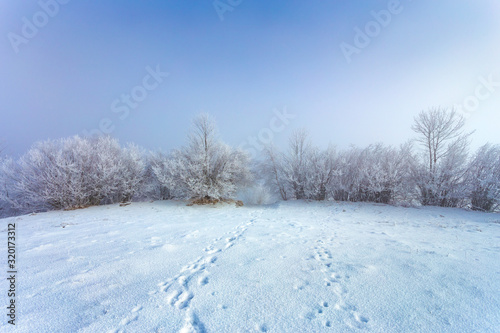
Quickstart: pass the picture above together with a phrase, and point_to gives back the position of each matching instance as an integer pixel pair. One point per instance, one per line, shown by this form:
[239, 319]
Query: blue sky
[71, 76]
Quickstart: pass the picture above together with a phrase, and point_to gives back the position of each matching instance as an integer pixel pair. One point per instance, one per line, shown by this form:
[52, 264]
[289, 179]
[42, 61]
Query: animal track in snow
[133, 316]
[178, 289]
[181, 295]
[184, 299]
[335, 282]
[192, 324]
[203, 280]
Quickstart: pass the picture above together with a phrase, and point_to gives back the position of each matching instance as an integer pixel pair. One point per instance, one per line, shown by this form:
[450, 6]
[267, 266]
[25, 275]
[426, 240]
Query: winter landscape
[330, 253]
[286, 267]
[236, 166]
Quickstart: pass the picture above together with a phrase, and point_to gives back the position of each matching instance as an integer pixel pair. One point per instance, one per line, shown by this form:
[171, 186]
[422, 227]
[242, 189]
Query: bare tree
[444, 142]
[206, 168]
[437, 128]
[296, 162]
[303, 172]
[273, 171]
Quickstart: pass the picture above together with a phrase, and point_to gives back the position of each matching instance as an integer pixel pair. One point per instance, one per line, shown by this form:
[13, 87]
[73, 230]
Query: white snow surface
[288, 267]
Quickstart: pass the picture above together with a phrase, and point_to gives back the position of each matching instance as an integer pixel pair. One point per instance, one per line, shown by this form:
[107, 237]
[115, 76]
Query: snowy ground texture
[289, 267]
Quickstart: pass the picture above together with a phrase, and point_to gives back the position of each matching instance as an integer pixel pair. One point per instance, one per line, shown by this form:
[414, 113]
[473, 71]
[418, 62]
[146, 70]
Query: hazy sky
[73, 67]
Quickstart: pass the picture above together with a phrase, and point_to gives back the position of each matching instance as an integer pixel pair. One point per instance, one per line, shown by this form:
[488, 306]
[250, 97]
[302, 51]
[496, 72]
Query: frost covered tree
[45, 177]
[152, 188]
[406, 192]
[3, 189]
[322, 171]
[71, 173]
[272, 170]
[303, 172]
[376, 173]
[206, 168]
[296, 163]
[440, 174]
[132, 169]
[6, 195]
[351, 181]
[483, 178]
[346, 178]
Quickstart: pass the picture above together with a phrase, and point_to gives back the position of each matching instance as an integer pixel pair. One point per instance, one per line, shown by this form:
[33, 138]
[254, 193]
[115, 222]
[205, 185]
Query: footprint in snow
[129, 319]
[203, 280]
[359, 322]
[173, 297]
[183, 300]
[262, 328]
[211, 250]
[192, 324]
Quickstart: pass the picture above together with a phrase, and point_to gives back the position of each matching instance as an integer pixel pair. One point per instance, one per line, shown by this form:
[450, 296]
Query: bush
[483, 179]
[72, 173]
[206, 167]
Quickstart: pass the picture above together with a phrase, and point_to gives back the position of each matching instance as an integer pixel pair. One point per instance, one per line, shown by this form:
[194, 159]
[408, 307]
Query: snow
[289, 267]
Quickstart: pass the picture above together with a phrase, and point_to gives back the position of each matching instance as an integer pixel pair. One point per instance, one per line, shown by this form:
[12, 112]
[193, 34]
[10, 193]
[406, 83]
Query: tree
[376, 173]
[273, 171]
[346, 177]
[206, 168]
[322, 171]
[444, 144]
[296, 163]
[133, 168]
[483, 178]
[72, 173]
[303, 172]
[152, 188]
[406, 189]
[8, 198]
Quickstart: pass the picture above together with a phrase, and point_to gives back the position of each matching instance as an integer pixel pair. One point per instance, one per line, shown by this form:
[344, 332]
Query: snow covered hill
[289, 267]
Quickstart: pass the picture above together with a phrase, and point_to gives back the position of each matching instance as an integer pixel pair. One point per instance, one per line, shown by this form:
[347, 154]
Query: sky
[350, 72]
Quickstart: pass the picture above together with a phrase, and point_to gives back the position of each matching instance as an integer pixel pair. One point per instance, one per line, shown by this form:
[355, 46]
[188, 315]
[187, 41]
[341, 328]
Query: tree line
[435, 168]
